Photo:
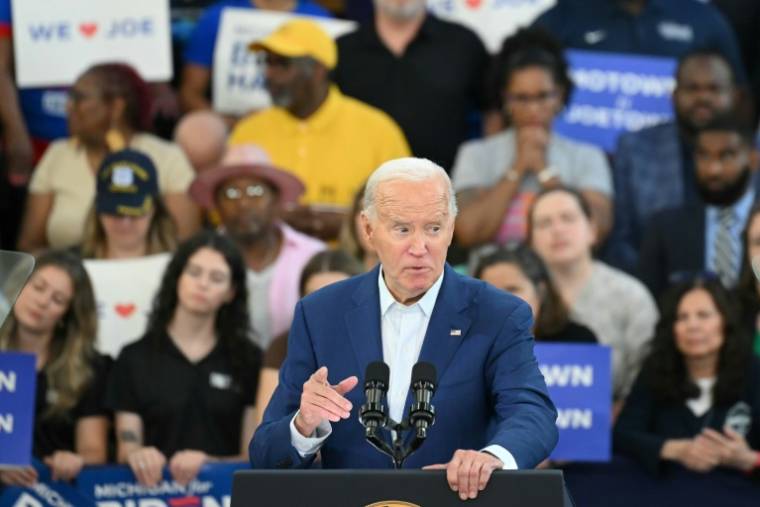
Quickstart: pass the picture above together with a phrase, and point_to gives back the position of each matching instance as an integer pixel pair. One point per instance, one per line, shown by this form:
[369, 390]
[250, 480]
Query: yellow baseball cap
[300, 37]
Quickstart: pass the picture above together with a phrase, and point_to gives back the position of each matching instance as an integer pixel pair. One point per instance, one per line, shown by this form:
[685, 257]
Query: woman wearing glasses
[497, 177]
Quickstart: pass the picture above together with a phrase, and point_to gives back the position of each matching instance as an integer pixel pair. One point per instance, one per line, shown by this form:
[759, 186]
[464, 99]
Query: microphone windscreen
[377, 371]
[425, 372]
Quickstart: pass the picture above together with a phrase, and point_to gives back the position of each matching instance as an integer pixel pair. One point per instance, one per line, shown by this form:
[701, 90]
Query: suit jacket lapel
[363, 323]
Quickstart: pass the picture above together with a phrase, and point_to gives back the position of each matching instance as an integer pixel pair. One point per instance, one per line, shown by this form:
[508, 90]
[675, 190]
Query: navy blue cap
[127, 184]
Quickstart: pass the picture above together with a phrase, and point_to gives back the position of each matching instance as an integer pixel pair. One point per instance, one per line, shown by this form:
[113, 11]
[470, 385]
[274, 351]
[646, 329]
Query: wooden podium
[391, 488]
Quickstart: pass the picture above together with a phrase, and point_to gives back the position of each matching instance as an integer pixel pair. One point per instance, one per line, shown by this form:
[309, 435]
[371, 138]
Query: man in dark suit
[492, 407]
[706, 236]
[653, 168]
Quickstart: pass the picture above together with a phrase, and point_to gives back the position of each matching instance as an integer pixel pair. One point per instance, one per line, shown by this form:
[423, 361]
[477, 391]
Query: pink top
[297, 250]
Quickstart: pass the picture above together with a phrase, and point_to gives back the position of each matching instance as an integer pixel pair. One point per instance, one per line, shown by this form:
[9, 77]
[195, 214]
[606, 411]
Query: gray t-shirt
[482, 162]
[622, 314]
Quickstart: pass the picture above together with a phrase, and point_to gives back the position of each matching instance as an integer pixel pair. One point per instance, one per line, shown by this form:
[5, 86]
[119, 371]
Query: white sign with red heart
[124, 291]
[55, 40]
[493, 20]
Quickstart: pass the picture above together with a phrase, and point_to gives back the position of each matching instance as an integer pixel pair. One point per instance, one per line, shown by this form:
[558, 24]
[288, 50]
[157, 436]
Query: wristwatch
[546, 174]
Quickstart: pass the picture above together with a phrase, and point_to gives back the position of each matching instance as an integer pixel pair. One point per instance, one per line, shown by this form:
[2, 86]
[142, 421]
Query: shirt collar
[426, 302]
[428, 28]
[741, 207]
[322, 117]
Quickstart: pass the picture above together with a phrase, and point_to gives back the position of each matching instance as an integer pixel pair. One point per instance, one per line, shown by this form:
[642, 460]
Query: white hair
[407, 169]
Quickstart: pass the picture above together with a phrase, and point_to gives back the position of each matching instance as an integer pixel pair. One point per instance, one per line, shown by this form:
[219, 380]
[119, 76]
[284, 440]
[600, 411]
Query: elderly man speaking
[492, 407]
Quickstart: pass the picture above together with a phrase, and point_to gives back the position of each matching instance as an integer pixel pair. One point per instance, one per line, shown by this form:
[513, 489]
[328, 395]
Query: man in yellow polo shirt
[330, 141]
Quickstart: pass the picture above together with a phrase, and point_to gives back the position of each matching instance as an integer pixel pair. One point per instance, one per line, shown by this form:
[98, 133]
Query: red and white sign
[124, 291]
[55, 40]
[493, 20]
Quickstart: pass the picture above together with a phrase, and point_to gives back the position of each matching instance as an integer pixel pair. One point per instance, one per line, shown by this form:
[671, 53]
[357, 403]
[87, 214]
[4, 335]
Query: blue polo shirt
[668, 28]
[200, 47]
[43, 109]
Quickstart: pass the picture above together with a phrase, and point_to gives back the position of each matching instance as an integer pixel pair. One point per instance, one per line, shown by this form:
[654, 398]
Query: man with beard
[653, 168]
[248, 193]
[706, 236]
[426, 73]
[330, 141]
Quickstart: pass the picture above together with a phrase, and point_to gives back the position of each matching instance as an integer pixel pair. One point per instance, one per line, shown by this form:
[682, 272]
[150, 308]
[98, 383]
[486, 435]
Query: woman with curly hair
[695, 402]
[108, 110]
[497, 177]
[184, 394]
[54, 318]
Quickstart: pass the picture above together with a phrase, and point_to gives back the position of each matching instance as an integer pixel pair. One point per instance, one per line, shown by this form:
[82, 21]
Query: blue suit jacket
[648, 177]
[490, 390]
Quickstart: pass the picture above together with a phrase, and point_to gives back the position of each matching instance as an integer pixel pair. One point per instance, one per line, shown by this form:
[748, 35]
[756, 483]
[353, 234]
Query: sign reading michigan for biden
[616, 93]
[17, 388]
[580, 384]
[115, 486]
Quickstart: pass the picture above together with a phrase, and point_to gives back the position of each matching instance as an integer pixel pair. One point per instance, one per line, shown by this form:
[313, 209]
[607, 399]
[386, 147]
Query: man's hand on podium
[320, 401]
[468, 472]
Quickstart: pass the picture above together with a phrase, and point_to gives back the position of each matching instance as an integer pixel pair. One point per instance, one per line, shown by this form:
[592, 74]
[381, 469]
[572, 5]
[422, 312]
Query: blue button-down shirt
[712, 223]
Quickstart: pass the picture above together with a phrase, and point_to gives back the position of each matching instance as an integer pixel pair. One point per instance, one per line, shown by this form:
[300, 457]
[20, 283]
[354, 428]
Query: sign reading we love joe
[55, 40]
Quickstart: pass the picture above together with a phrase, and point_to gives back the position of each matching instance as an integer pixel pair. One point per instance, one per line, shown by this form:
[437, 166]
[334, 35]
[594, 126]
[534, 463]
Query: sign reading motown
[616, 93]
[580, 385]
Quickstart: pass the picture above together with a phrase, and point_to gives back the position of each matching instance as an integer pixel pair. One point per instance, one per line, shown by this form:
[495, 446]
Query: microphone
[372, 413]
[422, 412]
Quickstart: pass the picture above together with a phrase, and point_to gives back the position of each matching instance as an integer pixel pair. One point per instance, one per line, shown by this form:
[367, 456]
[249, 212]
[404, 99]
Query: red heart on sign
[125, 310]
[473, 4]
[88, 29]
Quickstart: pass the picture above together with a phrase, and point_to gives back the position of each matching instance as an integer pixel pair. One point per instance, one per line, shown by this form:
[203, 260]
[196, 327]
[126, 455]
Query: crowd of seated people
[652, 249]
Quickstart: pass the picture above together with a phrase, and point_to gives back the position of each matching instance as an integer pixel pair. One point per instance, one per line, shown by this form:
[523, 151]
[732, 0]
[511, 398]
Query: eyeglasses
[77, 96]
[250, 191]
[525, 99]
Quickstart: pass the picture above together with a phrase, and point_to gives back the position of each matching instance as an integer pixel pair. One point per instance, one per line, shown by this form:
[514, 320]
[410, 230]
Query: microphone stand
[398, 452]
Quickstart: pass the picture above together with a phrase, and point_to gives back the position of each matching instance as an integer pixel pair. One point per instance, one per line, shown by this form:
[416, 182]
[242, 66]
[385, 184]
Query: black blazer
[673, 245]
[645, 423]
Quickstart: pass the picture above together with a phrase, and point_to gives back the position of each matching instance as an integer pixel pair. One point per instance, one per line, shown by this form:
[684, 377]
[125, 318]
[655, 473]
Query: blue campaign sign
[17, 388]
[44, 493]
[616, 93]
[116, 486]
[579, 379]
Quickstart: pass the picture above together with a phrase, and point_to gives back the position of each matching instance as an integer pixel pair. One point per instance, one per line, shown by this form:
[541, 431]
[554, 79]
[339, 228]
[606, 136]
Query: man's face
[705, 89]
[722, 161]
[288, 80]
[411, 232]
[247, 207]
[401, 9]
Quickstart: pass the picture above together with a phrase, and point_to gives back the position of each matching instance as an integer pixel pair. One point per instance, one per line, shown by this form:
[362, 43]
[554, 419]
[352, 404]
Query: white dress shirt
[403, 330]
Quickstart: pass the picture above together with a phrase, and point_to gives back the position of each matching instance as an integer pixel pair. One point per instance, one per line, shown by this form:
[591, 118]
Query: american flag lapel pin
[456, 332]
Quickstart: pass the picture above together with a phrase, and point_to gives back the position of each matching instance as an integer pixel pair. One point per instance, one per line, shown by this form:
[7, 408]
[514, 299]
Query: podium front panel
[390, 488]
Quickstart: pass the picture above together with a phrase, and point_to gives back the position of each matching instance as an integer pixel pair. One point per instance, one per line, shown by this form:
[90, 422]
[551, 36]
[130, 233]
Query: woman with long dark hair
[696, 399]
[184, 394]
[54, 319]
[521, 272]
